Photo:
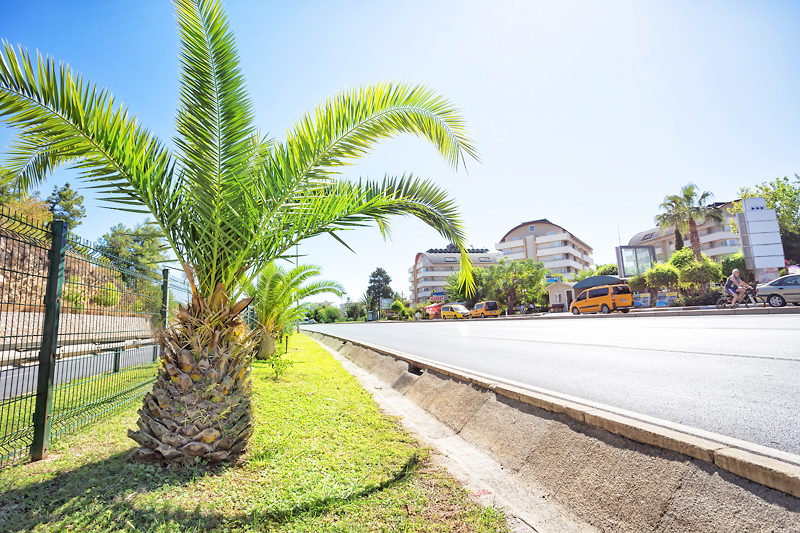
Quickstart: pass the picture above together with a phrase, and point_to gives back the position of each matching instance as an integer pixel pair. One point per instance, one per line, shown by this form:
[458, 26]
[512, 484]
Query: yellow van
[603, 299]
[484, 309]
[454, 311]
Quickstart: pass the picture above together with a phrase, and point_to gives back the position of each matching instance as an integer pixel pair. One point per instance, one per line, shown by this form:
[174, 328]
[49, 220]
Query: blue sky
[585, 113]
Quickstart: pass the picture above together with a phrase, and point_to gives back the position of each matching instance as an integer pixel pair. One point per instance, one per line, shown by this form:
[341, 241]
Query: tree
[782, 195]
[686, 210]
[379, 287]
[638, 283]
[355, 310]
[66, 204]
[142, 247]
[734, 261]
[609, 269]
[517, 282]
[228, 199]
[325, 314]
[457, 292]
[276, 300]
[680, 259]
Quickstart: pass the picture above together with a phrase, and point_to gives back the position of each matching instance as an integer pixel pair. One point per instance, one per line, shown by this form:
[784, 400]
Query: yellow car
[484, 309]
[454, 311]
[603, 299]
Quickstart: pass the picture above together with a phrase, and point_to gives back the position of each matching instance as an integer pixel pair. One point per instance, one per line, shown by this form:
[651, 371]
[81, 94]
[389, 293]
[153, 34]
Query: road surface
[737, 376]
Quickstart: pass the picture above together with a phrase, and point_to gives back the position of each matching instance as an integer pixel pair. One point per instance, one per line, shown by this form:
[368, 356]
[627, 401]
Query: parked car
[454, 311]
[780, 291]
[603, 299]
[484, 309]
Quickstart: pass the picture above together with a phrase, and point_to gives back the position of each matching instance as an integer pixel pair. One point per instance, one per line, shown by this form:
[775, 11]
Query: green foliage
[701, 273]
[73, 294]
[355, 310]
[782, 195]
[707, 298]
[379, 287]
[325, 314]
[399, 309]
[686, 210]
[638, 283]
[108, 296]
[731, 262]
[66, 204]
[662, 276]
[276, 298]
[681, 258]
[517, 282]
[582, 275]
[228, 199]
[609, 269]
[457, 292]
[142, 247]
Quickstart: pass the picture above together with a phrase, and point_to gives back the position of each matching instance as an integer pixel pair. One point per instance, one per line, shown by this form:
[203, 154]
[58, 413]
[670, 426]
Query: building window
[558, 243]
[449, 259]
[558, 257]
[516, 238]
[532, 228]
[484, 259]
[506, 251]
[552, 233]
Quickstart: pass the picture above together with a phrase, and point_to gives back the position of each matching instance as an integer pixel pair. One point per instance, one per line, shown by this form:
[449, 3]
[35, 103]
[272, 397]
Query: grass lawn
[323, 458]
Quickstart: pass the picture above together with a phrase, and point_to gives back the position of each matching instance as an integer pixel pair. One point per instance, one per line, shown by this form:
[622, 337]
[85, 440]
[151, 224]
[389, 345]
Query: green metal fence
[77, 325]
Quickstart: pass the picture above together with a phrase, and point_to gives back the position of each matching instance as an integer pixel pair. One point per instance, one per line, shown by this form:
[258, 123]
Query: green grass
[323, 458]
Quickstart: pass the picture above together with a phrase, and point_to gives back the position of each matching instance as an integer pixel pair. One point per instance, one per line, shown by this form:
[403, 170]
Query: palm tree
[228, 200]
[276, 296]
[685, 211]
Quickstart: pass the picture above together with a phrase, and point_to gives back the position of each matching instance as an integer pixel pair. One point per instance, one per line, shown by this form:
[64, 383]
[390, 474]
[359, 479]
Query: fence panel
[24, 261]
[106, 354]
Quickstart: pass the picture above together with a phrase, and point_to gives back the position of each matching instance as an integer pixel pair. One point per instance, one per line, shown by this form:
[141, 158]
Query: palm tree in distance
[685, 211]
[228, 201]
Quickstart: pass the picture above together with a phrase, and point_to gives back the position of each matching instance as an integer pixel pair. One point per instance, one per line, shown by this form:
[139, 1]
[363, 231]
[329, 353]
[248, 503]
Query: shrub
[734, 261]
[73, 294]
[709, 298]
[108, 296]
[638, 283]
[662, 275]
[701, 273]
[681, 258]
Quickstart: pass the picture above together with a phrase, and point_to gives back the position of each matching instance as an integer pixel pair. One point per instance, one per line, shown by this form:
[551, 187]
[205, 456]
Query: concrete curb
[772, 473]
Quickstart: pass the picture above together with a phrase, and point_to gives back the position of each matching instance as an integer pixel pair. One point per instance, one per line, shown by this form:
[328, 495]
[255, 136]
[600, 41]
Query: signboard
[386, 303]
[763, 275]
[664, 298]
[437, 296]
[641, 299]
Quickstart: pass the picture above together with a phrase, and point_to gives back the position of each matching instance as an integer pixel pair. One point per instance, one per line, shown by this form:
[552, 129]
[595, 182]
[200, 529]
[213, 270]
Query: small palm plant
[276, 300]
[228, 201]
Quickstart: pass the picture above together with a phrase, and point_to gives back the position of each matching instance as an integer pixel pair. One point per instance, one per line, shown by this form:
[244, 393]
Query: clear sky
[585, 113]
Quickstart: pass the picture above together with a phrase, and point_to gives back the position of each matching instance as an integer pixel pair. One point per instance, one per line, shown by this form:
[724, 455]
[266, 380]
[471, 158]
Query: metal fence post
[117, 357]
[164, 300]
[47, 353]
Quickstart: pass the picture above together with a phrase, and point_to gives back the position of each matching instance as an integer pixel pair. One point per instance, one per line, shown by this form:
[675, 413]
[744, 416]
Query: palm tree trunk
[694, 236]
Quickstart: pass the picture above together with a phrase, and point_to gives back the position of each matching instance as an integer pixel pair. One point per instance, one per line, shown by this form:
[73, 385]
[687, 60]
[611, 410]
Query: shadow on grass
[108, 495]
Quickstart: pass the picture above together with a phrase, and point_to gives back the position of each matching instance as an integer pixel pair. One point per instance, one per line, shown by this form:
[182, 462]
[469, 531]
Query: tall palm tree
[685, 211]
[228, 200]
[276, 296]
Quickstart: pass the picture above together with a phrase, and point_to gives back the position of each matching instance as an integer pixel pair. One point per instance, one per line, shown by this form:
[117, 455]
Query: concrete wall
[617, 474]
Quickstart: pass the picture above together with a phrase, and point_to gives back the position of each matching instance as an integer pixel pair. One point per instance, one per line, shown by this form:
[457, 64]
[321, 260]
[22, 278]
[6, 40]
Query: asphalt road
[737, 376]
[18, 380]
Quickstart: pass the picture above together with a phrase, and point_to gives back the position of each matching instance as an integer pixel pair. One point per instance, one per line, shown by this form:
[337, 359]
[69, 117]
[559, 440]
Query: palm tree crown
[686, 210]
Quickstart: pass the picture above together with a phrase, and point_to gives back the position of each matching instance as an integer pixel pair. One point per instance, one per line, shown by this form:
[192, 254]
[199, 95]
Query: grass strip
[322, 458]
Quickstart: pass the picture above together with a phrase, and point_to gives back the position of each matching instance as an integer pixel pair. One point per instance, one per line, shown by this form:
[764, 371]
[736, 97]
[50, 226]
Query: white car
[782, 290]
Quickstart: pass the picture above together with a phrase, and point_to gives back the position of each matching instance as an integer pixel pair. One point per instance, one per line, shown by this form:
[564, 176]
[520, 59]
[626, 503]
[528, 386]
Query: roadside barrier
[619, 473]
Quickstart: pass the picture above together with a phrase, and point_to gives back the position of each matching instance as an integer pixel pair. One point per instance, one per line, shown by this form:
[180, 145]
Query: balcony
[555, 237]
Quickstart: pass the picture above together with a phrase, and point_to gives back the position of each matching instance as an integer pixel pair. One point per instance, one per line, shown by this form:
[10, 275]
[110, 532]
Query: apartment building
[716, 238]
[431, 269]
[561, 252]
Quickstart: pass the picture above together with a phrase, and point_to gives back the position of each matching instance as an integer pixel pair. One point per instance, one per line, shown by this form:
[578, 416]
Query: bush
[662, 275]
[701, 273]
[638, 283]
[73, 294]
[108, 296]
[709, 298]
[734, 261]
[681, 258]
